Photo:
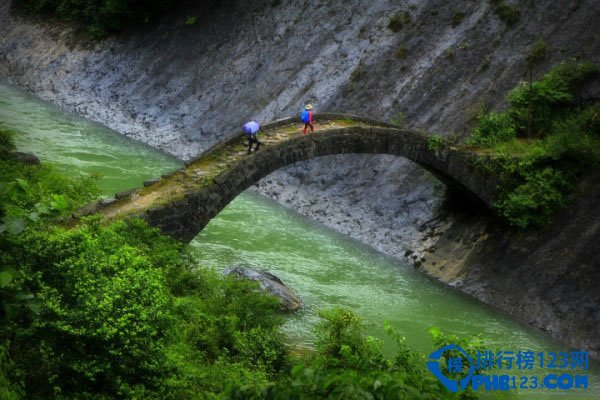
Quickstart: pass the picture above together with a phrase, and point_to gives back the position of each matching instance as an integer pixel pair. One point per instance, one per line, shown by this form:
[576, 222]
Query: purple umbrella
[250, 128]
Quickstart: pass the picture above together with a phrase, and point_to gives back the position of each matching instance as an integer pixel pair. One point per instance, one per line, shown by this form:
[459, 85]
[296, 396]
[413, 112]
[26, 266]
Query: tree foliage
[102, 17]
[351, 365]
[541, 143]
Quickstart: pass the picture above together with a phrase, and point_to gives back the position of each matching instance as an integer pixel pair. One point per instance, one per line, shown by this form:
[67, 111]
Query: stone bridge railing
[182, 203]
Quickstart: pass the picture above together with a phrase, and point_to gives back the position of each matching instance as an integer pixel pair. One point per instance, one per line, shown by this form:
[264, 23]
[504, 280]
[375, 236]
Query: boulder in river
[25, 158]
[269, 283]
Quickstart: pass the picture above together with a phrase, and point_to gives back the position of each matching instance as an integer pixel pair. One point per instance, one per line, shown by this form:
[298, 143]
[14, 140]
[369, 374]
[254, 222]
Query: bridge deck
[203, 170]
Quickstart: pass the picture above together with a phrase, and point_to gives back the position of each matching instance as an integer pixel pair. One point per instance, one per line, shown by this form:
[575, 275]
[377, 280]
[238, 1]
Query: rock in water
[269, 283]
[25, 158]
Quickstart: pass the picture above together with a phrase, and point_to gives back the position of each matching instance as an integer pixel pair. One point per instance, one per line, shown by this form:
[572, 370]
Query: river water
[323, 267]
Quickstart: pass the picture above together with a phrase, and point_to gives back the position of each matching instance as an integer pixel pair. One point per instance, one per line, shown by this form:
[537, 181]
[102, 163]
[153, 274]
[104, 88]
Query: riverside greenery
[544, 140]
[101, 311]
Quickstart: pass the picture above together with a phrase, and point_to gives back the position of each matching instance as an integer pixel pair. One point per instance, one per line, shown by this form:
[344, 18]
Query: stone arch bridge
[183, 202]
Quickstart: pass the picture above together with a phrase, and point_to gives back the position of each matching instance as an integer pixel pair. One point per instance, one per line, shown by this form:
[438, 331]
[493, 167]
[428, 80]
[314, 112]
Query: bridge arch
[182, 203]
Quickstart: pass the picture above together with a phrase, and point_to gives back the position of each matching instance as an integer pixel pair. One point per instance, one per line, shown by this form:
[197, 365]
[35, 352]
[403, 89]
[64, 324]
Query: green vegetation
[508, 14]
[123, 314]
[190, 20]
[401, 52]
[31, 194]
[485, 64]
[350, 365]
[399, 21]
[101, 17]
[434, 142]
[358, 73]
[457, 18]
[537, 53]
[541, 143]
[103, 311]
[398, 119]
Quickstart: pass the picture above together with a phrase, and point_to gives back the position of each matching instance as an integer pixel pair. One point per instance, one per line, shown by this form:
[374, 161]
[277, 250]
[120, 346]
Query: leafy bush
[104, 319]
[399, 21]
[398, 119]
[493, 128]
[508, 14]
[537, 53]
[434, 142]
[551, 97]
[535, 173]
[31, 193]
[8, 389]
[536, 200]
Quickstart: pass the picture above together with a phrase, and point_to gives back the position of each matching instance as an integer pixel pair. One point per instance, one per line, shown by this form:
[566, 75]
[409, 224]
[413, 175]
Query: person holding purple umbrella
[250, 129]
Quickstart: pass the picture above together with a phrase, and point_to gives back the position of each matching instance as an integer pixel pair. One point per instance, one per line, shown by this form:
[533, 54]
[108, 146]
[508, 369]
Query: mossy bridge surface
[183, 202]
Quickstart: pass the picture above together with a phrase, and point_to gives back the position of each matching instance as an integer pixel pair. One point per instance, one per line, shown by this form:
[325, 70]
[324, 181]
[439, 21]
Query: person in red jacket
[307, 118]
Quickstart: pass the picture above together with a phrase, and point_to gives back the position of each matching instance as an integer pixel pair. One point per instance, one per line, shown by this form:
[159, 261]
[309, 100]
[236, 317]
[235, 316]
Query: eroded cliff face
[182, 88]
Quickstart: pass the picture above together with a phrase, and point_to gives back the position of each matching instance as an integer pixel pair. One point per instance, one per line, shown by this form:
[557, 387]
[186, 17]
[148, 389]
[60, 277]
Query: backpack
[305, 116]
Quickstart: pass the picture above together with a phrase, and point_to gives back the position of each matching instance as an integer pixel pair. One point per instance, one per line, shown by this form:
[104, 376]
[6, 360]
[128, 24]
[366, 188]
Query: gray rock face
[25, 158]
[269, 283]
[182, 88]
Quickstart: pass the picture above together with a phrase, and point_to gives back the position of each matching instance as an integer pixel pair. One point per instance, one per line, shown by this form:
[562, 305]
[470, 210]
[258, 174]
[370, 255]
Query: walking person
[307, 117]
[251, 129]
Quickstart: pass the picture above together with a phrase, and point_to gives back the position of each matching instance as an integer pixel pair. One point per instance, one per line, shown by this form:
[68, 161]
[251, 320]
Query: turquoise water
[77, 146]
[323, 267]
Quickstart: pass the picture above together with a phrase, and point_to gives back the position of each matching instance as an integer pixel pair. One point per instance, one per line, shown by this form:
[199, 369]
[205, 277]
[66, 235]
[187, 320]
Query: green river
[322, 266]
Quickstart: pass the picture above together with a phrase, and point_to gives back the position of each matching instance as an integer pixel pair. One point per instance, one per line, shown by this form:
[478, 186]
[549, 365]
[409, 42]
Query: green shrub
[399, 21]
[535, 201]
[31, 194]
[457, 18]
[493, 128]
[8, 390]
[434, 142]
[401, 52]
[551, 97]
[397, 119]
[508, 14]
[537, 53]
[104, 320]
[535, 174]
